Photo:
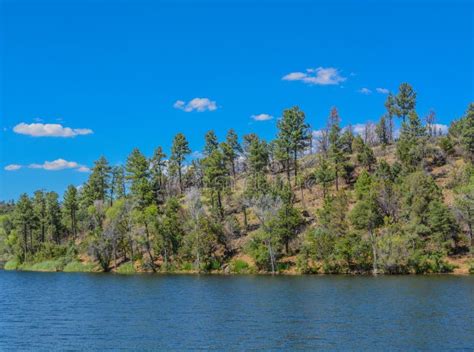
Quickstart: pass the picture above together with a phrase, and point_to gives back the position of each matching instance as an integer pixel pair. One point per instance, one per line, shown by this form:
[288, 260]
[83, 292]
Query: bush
[430, 263]
[471, 267]
[239, 266]
[76, 266]
[126, 268]
[47, 265]
[11, 265]
[187, 266]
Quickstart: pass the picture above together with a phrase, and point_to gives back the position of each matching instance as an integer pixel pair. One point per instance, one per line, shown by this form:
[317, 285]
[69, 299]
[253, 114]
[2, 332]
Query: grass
[239, 266]
[126, 268]
[11, 265]
[78, 267]
[47, 265]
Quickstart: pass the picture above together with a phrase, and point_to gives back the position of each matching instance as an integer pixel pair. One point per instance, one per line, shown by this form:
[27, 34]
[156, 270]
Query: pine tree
[138, 173]
[117, 184]
[293, 137]
[98, 184]
[54, 216]
[179, 150]
[71, 207]
[40, 213]
[211, 143]
[158, 165]
[405, 101]
[24, 221]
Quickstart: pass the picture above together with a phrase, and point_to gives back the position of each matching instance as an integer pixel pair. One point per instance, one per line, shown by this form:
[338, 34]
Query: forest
[385, 200]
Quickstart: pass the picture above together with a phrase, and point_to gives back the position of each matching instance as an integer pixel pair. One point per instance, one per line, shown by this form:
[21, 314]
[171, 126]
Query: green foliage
[76, 266]
[239, 266]
[126, 268]
[390, 216]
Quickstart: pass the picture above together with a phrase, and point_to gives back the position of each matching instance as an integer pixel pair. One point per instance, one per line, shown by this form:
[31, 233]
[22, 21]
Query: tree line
[329, 201]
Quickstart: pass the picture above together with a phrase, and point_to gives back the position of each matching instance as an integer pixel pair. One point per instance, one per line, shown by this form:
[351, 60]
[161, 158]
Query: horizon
[81, 80]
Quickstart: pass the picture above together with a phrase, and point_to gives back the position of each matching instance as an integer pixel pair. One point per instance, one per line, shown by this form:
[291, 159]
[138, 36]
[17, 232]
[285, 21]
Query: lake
[67, 311]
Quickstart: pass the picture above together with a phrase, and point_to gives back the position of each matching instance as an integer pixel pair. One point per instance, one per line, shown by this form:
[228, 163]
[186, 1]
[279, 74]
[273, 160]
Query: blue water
[97, 312]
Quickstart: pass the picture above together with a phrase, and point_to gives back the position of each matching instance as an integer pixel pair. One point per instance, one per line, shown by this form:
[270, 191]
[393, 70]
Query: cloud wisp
[382, 90]
[322, 76]
[55, 165]
[365, 91]
[196, 104]
[261, 117]
[49, 130]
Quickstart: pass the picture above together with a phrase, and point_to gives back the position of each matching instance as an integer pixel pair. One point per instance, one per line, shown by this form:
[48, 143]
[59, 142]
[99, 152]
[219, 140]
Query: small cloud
[197, 154]
[382, 90]
[358, 128]
[262, 117]
[49, 130]
[438, 127]
[365, 91]
[196, 104]
[318, 76]
[59, 164]
[83, 169]
[13, 167]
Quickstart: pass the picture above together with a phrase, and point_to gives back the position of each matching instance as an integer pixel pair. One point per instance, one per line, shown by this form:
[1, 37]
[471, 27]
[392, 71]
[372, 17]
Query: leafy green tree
[179, 150]
[335, 146]
[138, 174]
[257, 159]
[462, 131]
[71, 208]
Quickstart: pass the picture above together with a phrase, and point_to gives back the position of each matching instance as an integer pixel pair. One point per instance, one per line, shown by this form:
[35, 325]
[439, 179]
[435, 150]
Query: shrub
[11, 265]
[126, 268]
[239, 266]
[471, 267]
[78, 267]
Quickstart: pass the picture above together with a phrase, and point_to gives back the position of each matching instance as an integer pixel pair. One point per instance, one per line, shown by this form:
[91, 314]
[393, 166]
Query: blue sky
[115, 75]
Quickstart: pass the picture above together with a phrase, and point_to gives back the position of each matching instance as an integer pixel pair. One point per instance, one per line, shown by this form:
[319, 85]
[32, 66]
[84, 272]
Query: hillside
[384, 201]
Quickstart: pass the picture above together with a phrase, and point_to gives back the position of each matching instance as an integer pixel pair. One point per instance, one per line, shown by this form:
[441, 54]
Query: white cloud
[440, 127]
[358, 128]
[196, 104]
[83, 169]
[365, 91]
[59, 164]
[13, 167]
[262, 117]
[382, 90]
[319, 76]
[197, 154]
[49, 130]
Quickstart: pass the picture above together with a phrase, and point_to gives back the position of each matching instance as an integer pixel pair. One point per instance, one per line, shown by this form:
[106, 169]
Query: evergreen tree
[211, 143]
[99, 181]
[412, 142]
[71, 208]
[216, 179]
[405, 101]
[117, 185]
[158, 165]
[138, 173]
[54, 217]
[293, 137]
[24, 222]
[40, 214]
[179, 150]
